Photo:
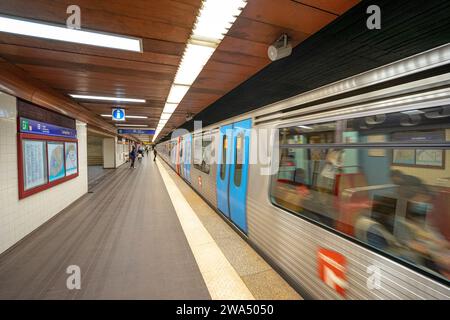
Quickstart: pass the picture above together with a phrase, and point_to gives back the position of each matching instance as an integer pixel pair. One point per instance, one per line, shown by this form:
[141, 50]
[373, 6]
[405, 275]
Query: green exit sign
[24, 124]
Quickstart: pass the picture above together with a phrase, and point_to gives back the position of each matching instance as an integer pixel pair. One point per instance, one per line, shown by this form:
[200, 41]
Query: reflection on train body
[383, 180]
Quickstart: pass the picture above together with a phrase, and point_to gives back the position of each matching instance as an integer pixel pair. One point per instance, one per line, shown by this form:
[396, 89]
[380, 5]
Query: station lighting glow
[165, 116]
[131, 125]
[213, 22]
[216, 17]
[194, 59]
[115, 99]
[54, 32]
[131, 117]
[170, 107]
[177, 92]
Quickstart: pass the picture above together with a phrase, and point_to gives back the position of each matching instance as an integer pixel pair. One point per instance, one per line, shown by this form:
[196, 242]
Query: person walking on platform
[132, 157]
[146, 150]
[154, 153]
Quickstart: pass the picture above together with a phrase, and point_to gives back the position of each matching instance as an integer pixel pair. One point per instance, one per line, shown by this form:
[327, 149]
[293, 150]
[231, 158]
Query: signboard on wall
[42, 128]
[47, 149]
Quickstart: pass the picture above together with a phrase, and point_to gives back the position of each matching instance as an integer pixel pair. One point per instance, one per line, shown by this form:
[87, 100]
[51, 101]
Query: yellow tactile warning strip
[221, 279]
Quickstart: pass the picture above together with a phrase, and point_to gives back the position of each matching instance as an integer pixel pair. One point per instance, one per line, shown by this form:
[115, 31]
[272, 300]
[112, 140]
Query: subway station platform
[303, 150]
[139, 234]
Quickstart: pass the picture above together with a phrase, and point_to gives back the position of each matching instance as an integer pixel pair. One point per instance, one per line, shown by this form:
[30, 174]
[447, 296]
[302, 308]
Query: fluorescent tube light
[194, 59]
[177, 93]
[215, 18]
[170, 107]
[136, 117]
[131, 125]
[127, 116]
[213, 22]
[55, 32]
[165, 116]
[116, 99]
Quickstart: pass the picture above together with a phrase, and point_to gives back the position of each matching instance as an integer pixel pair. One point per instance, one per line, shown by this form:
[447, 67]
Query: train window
[394, 198]
[202, 152]
[410, 126]
[238, 159]
[223, 164]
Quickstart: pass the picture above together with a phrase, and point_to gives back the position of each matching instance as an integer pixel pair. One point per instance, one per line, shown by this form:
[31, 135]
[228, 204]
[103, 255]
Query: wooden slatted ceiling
[342, 49]
[164, 26]
[243, 52]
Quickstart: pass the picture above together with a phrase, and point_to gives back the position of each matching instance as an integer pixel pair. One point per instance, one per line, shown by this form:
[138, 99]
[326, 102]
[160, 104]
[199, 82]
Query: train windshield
[383, 180]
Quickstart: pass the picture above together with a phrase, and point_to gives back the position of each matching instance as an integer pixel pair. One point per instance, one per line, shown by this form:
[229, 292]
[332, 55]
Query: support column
[109, 153]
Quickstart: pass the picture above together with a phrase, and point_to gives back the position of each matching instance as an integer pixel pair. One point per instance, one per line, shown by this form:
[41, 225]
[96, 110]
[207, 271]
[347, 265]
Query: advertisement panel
[34, 163]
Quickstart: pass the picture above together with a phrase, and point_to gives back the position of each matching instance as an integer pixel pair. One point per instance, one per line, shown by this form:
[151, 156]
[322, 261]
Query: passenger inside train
[378, 180]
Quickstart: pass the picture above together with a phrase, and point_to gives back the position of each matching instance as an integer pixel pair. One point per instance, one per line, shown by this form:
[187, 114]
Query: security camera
[189, 116]
[280, 48]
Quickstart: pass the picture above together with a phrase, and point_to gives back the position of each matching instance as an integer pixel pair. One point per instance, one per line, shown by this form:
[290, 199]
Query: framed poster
[404, 156]
[47, 152]
[55, 156]
[71, 156]
[430, 158]
[34, 164]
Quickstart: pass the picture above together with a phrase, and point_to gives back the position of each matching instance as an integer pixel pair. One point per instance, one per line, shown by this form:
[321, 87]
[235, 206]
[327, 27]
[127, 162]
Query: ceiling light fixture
[116, 99]
[131, 117]
[213, 22]
[55, 32]
[177, 93]
[194, 59]
[170, 107]
[165, 116]
[131, 125]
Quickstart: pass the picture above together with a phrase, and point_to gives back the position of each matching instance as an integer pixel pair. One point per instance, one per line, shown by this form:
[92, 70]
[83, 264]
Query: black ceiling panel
[343, 48]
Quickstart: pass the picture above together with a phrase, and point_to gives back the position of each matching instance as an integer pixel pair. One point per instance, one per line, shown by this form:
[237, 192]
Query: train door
[225, 135]
[178, 155]
[232, 177]
[187, 157]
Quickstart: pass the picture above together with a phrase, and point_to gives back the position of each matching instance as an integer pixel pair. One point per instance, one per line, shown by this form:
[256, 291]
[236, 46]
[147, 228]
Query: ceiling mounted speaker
[280, 49]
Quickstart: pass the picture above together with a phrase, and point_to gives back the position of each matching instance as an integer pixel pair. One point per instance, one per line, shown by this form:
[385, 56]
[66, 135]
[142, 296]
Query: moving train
[345, 190]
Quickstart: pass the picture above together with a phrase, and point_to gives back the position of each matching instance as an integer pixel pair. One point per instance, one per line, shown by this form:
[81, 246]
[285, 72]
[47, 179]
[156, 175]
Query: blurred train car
[353, 199]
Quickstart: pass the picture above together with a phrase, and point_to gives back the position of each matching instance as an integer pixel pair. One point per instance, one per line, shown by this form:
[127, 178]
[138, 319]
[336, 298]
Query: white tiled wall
[20, 217]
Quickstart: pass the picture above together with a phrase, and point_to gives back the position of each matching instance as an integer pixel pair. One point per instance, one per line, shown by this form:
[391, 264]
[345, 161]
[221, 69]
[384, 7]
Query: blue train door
[239, 173]
[223, 165]
[233, 177]
[187, 157]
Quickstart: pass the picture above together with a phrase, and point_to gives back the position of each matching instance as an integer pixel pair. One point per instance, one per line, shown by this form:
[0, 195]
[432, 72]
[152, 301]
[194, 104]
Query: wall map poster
[55, 155]
[71, 158]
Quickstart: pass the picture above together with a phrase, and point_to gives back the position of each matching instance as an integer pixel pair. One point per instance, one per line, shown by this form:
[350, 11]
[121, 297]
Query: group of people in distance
[138, 152]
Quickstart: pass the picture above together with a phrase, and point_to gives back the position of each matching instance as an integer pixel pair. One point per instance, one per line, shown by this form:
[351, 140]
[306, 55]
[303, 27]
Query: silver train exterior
[289, 242]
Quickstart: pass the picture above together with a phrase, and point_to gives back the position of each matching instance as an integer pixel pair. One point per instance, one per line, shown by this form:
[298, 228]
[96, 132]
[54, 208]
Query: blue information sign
[136, 131]
[118, 114]
[37, 127]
